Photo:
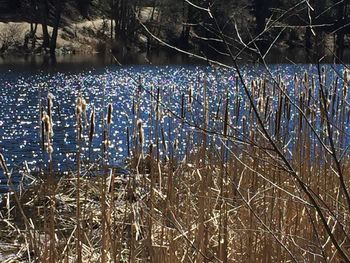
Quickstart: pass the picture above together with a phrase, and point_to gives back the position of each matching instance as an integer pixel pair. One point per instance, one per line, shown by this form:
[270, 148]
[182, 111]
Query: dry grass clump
[259, 178]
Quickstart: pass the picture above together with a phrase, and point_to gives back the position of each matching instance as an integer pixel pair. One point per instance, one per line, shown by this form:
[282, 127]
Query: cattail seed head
[79, 101]
[78, 107]
[151, 149]
[92, 125]
[133, 107]
[175, 145]
[140, 131]
[346, 76]
[305, 77]
[78, 110]
[253, 84]
[140, 84]
[47, 123]
[49, 105]
[163, 140]
[296, 79]
[109, 113]
[83, 105]
[244, 120]
[190, 95]
[345, 84]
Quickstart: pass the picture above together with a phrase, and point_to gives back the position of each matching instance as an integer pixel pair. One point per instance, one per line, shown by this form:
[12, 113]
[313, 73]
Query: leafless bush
[11, 34]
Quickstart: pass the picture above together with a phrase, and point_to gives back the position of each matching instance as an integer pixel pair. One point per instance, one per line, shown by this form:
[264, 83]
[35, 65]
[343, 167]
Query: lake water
[22, 91]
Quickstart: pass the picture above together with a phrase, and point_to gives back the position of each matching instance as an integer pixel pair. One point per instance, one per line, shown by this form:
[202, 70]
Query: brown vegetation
[264, 182]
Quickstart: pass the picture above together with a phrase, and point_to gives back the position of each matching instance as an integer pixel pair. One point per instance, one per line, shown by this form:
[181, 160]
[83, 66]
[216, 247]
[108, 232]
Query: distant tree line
[181, 22]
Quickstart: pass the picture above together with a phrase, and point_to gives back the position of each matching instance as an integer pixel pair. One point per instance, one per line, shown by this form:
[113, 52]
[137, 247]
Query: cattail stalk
[78, 111]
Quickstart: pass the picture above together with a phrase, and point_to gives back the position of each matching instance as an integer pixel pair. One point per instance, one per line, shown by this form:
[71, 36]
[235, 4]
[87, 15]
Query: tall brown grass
[252, 181]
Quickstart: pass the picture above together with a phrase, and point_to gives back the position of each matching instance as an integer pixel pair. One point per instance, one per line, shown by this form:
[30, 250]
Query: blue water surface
[21, 93]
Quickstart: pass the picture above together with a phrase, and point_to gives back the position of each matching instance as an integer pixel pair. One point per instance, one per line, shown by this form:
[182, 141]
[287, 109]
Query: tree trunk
[340, 27]
[308, 40]
[57, 19]
[262, 12]
[188, 19]
[153, 9]
[44, 7]
[111, 18]
[34, 36]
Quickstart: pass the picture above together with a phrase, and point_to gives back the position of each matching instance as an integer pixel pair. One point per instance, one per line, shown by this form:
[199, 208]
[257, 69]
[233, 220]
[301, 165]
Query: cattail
[305, 78]
[83, 104]
[260, 103]
[296, 80]
[183, 106]
[264, 88]
[109, 114]
[260, 87]
[244, 121]
[166, 159]
[151, 97]
[83, 108]
[47, 123]
[42, 128]
[151, 149]
[49, 111]
[253, 86]
[346, 76]
[3, 164]
[49, 105]
[140, 84]
[140, 131]
[92, 125]
[237, 83]
[323, 75]
[190, 95]
[226, 117]
[279, 78]
[79, 101]
[128, 140]
[238, 106]
[345, 84]
[266, 106]
[163, 139]
[175, 144]
[50, 149]
[206, 111]
[133, 107]
[80, 130]
[78, 110]
[157, 105]
[78, 107]
[218, 109]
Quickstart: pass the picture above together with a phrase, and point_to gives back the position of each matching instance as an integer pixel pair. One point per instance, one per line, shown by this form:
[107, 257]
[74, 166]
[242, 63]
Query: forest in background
[320, 26]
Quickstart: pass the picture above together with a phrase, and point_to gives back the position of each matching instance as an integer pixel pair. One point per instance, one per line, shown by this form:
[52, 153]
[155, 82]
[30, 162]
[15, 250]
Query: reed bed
[258, 172]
